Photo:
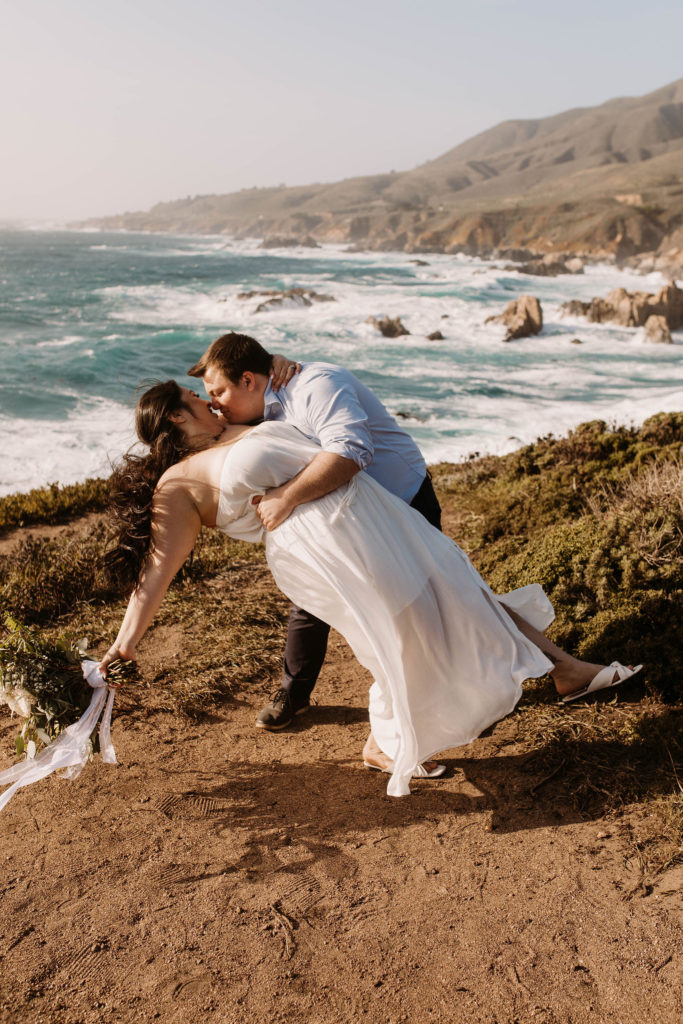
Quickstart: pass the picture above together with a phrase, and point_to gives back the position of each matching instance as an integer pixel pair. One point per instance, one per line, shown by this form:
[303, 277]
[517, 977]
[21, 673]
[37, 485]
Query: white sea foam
[70, 339]
[492, 429]
[38, 452]
[467, 392]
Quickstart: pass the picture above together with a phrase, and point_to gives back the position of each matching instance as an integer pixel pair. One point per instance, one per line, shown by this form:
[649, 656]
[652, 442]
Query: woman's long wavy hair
[135, 478]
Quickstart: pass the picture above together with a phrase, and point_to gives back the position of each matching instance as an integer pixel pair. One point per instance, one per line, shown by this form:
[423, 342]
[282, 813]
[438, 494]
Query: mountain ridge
[605, 181]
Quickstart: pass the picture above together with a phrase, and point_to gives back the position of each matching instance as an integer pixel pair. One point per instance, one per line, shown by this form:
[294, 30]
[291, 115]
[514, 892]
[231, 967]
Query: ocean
[86, 316]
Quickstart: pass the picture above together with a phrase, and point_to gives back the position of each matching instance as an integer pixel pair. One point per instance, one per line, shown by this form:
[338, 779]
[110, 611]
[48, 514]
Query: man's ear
[248, 380]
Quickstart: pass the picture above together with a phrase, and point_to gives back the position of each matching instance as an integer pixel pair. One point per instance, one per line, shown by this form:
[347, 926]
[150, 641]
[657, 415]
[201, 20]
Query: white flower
[17, 699]
[31, 749]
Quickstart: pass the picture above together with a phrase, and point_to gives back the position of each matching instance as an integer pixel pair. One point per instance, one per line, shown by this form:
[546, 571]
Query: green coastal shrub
[597, 519]
[552, 480]
[53, 504]
[44, 578]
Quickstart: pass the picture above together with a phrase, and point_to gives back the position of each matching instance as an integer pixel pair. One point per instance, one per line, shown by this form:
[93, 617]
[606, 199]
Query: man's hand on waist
[274, 507]
[323, 475]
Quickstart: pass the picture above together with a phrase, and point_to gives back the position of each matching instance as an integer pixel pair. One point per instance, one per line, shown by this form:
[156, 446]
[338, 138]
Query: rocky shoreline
[600, 183]
[542, 242]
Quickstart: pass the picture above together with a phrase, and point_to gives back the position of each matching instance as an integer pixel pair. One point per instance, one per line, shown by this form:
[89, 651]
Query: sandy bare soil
[224, 872]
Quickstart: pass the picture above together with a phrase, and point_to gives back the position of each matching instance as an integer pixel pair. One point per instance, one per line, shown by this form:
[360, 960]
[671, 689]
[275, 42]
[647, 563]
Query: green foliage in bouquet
[41, 681]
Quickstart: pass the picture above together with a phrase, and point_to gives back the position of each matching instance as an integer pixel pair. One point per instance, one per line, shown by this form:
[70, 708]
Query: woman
[448, 658]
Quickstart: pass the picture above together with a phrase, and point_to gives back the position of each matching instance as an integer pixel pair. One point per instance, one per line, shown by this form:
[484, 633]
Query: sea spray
[85, 317]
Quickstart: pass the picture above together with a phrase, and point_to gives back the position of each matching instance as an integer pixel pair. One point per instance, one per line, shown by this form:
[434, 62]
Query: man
[354, 430]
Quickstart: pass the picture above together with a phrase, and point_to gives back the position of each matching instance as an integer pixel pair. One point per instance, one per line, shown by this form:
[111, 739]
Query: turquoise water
[84, 317]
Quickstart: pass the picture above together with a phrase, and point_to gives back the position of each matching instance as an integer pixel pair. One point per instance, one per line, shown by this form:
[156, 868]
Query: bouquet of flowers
[60, 698]
[42, 683]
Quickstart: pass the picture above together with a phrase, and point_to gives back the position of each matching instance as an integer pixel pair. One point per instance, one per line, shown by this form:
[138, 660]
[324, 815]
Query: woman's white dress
[446, 658]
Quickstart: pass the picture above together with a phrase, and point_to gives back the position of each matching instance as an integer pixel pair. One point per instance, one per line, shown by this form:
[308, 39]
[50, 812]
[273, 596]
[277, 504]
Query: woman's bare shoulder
[188, 467]
[189, 478]
[203, 467]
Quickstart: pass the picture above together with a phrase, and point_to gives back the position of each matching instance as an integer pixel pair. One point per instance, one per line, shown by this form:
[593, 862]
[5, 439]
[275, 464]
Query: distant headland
[603, 182]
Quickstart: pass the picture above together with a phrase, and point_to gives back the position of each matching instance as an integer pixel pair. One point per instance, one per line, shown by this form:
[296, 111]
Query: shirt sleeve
[337, 419]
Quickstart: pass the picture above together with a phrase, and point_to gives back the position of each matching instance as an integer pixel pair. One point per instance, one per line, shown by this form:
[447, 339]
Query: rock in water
[522, 317]
[289, 299]
[435, 336]
[632, 309]
[288, 242]
[657, 330]
[390, 327]
[541, 268]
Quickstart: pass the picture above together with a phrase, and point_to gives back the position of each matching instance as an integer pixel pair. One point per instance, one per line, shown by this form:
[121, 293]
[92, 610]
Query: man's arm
[327, 408]
[324, 474]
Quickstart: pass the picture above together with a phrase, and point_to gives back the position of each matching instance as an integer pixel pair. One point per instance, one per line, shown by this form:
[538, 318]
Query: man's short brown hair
[234, 354]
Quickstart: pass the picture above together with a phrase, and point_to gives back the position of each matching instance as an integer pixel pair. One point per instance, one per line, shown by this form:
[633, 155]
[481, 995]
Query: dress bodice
[268, 456]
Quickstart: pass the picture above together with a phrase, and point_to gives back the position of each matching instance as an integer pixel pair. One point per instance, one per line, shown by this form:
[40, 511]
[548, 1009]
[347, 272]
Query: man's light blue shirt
[331, 406]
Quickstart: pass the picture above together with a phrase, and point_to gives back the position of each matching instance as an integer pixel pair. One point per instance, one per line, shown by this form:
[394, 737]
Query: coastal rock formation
[632, 309]
[435, 336]
[390, 327]
[516, 254]
[668, 261]
[657, 330]
[549, 266]
[288, 242]
[289, 299]
[522, 317]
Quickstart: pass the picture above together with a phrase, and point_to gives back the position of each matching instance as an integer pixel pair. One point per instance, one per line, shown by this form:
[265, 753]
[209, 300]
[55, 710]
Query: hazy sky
[110, 107]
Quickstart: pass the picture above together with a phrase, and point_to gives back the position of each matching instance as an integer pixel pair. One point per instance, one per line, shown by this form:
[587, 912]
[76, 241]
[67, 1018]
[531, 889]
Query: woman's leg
[569, 674]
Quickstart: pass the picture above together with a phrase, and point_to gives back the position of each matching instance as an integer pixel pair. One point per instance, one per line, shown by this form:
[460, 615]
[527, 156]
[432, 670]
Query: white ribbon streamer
[71, 750]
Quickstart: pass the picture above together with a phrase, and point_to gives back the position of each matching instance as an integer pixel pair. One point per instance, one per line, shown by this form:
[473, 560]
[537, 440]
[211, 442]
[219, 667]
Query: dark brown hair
[234, 354]
[135, 478]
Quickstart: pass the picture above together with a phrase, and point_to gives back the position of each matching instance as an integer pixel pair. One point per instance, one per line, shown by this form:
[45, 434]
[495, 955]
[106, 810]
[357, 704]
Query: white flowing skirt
[446, 658]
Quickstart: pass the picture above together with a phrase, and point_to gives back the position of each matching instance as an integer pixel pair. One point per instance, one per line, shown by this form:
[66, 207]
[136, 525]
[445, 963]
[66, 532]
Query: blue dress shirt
[331, 406]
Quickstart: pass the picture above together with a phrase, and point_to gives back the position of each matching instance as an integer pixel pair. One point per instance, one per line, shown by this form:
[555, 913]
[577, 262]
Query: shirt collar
[270, 399]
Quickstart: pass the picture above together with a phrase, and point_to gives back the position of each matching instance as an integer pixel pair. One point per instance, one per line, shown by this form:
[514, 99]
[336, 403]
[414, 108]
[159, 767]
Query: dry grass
[45, 579]
[651, 505]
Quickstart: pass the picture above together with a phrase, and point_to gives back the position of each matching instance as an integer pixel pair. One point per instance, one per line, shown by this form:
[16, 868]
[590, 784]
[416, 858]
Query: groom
[354, 430]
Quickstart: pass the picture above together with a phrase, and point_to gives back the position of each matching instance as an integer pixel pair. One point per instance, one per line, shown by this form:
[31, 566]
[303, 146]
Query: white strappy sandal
[603, 680]
[419, 773]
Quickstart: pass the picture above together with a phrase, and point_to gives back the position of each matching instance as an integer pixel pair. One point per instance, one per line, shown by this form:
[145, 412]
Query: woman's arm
[175, 526]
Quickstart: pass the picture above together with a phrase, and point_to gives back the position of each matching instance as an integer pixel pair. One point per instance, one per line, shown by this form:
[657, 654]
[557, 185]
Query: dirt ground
[224, 872]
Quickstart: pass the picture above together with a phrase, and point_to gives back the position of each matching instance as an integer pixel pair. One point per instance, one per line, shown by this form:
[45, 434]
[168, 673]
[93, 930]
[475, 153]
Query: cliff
[604, 181]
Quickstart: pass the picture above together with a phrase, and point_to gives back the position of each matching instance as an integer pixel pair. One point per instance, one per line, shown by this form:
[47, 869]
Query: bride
[448, 657]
